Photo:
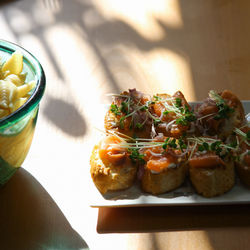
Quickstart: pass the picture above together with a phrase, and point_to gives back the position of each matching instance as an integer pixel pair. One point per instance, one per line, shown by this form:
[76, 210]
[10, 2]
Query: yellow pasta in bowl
[14, 90]
[22, 85]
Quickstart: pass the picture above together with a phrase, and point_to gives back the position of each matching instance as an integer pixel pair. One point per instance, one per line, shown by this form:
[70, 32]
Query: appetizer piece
[211, 168]
[219, 114]
[174, 114]
[129, 114]
[165, 166]
[111, 167]
[161, 140]
[243, 159]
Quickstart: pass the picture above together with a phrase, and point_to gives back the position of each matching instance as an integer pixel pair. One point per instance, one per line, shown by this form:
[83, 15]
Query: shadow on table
[5, 2]
[30, 219]
[162, 219]
[207, 38]
[65, 116]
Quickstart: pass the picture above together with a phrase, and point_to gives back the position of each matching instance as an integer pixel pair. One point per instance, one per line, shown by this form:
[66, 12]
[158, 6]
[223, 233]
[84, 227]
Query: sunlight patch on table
[141, 15]
[189, 240]
[170, 72]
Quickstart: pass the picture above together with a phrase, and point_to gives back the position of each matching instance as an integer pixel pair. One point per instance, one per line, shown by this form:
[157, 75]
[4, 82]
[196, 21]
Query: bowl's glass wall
[17, 129]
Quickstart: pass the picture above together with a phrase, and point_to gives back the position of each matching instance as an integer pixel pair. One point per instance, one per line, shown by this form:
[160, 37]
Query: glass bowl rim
[38, 92]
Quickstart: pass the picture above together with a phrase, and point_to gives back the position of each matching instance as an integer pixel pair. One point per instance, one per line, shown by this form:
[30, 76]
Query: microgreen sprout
[125, 107]
[121, 122]
[244, 136]
[183, 114]
[178, 102]
[114, 109]
[136, 156]
[187, 116]
[214, 145]
[139, 125]
[155, 119]
[157, 98]
[223, 109]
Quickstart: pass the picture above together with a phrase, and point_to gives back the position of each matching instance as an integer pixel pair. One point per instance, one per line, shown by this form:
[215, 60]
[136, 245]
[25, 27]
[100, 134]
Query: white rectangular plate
[183, 196]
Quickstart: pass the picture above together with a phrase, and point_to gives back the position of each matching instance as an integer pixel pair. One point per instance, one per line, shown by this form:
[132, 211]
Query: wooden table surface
[89, 49]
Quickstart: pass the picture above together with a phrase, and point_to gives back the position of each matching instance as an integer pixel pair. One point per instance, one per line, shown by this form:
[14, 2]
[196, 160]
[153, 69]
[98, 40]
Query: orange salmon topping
[160, 164]
[206, 161]
[156, 160]
[111, 151]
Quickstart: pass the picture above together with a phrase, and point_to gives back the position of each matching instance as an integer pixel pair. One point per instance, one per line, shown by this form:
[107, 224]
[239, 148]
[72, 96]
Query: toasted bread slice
[165, 181]
[108, 176]
[212, 181]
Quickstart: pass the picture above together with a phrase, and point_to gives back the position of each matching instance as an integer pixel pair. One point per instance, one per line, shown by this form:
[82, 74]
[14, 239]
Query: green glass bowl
[17, 129]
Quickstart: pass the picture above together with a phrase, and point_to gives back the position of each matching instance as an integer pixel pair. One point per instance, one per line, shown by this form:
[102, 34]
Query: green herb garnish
[178, 102]
[187, 116]
[215, 146]
[157, 98]
[121, 122]
[244, 136]
[205, 145]
[114, 109]
[233, 144]
[135, 155]
[157, 121]
[139, 125]
[201, 148]
[124, 107]
[165, 144]
[166, 112]
[223, 109]
[182, 145]
[174, 143]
